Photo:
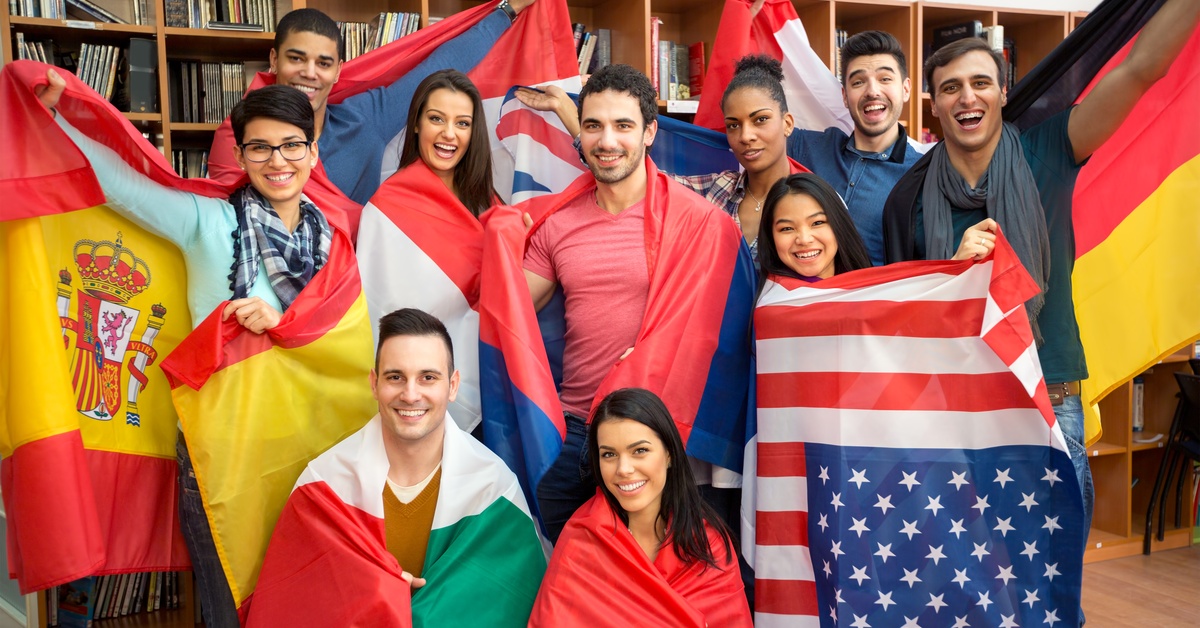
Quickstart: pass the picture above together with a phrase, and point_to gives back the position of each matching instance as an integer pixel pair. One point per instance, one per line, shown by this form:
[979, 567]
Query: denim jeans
[568, 484]
[216, 598]
[1070, 419]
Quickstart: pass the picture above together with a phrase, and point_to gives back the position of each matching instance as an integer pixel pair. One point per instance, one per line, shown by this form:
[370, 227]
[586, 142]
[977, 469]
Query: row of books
[78, 603]
[246, 15]
[205, 92]
[994, 35]
[840, 36]
[361, 37]
[191, 163]
[676, 70]
[52, 9]
[139, 12]
[593, 50]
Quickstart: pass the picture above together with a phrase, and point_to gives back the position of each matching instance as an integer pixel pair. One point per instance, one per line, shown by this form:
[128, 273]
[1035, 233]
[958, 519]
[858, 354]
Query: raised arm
[390, 104]
[180, 217]
[1104, 109]
[555, 99]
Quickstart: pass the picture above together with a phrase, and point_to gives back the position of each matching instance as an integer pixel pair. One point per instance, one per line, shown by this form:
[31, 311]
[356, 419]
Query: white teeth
[306, 89]
[870, 108]
[411, 412]
[968, 116]
[809, 255]
[607, 159]
[279, 177]
[445, 147]
[631, 487]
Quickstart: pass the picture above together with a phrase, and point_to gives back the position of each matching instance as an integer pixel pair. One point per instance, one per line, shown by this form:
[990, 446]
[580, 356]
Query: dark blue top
[358, 129]
[863, 179]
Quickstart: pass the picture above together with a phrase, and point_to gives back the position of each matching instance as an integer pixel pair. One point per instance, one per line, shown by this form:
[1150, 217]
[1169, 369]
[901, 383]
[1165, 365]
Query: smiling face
[613, 136]
[308, 62]
[633, 465]
[444, 130]
[278, 179]
[755, 128]
[804, 239]
[875, 92]
[413, 385]
[967, 99]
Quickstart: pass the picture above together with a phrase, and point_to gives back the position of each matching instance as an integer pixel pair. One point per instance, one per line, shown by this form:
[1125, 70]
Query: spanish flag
[255, 409]
[1137, 263]
[92, 304]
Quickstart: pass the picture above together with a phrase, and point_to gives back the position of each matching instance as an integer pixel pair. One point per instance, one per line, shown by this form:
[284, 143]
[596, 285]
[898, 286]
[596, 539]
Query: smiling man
[409, 499]
[986, 172]
[865, 165]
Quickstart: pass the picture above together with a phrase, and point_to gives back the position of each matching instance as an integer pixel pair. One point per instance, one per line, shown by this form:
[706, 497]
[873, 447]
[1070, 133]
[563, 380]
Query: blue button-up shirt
[863, 179]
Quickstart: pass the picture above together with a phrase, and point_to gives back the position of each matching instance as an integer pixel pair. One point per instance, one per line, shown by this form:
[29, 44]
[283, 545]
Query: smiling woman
[666, 557]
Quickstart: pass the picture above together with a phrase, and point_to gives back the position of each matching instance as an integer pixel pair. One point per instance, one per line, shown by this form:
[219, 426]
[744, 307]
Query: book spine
[696, 68]
[664, 70]
[654, 28]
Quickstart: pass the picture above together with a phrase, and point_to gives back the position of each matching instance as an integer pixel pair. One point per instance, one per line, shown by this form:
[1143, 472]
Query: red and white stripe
[864, 360]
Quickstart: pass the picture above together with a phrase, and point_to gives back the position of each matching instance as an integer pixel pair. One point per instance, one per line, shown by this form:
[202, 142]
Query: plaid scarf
[291, 259]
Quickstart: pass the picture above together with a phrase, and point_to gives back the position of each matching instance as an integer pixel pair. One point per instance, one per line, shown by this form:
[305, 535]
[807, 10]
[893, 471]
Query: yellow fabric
[1137, 294]
[265, 418]
[41, 353]
[408, 525]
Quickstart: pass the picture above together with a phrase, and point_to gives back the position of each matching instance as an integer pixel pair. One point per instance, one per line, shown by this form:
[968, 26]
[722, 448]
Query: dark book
[91, 11]
[577, 31]
[943, 35]
[176, 13]
[696, 68]
[234, 26]
[141, 81]
[77, 603]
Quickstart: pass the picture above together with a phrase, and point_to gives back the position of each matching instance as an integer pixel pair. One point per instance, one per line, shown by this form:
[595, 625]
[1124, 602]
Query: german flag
[1137, 263]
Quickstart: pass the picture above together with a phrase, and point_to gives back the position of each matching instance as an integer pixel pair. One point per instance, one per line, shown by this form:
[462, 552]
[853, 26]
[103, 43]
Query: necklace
[757, 203]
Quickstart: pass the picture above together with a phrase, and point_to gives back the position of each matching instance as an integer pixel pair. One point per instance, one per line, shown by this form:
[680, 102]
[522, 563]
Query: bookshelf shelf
[142, 117]
[209, 34]
[1136, 447]
[1105, 449]
[80, 25]
[193, 127]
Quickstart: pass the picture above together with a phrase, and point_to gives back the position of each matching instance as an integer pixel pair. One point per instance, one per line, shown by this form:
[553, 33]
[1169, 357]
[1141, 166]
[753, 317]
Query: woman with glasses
[259, 248]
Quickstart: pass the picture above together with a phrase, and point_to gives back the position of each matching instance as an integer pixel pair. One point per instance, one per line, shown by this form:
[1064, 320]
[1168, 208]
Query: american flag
[909, 470]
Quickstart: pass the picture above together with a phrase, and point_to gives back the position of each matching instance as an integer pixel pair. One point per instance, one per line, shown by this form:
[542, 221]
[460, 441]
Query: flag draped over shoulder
[814, 96]
[255, 409]
[600, 576]
[93, 303]
[1136, 260]
[485, 559]
[908, 460]
[415, 223]
[692, 349]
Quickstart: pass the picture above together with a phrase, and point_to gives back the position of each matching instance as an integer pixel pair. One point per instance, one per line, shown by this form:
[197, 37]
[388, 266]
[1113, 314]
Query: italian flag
[328, 563]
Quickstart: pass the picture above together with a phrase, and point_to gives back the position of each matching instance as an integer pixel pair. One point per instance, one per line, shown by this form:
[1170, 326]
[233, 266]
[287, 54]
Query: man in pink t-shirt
[594, 247]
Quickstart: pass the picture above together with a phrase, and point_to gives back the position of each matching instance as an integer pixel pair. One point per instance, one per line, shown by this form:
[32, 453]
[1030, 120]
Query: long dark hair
[683, 510]
[851, 252]
[473, 174]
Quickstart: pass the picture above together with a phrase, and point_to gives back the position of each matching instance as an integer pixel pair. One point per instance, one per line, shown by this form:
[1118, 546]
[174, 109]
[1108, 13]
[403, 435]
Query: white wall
[1045, 5]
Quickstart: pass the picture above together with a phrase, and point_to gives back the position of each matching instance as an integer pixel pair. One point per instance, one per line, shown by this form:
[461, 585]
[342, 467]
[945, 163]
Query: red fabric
[738, 35]
[335, 558]
[599, 576]
[691, 253]
[216, 344]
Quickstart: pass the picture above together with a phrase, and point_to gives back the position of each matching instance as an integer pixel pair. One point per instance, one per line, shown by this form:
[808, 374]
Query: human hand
[552, 98]
[252, 313]
[626, 354]
[520, 5]
[415, 583]
[978, 241]
[50, 94]
[528, 220]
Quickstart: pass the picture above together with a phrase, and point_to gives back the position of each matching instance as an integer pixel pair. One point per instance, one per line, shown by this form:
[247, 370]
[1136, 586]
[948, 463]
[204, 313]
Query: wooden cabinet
[1124, 470]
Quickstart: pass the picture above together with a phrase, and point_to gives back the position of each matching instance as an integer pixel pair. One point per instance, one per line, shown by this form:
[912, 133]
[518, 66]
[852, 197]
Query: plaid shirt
[723, 189]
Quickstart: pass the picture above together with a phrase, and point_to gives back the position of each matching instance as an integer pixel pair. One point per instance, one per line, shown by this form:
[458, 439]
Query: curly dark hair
[761, 72]
[623, 78]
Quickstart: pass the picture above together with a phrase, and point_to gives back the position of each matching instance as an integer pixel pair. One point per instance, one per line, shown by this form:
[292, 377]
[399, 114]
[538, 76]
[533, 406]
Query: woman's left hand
[252, 313]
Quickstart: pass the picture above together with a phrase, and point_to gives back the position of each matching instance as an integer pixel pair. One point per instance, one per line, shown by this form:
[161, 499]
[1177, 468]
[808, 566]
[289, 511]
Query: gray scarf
[1010, 194]
[290, 258]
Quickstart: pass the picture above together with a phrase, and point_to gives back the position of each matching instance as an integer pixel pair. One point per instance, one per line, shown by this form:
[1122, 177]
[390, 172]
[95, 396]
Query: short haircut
[412, 322]
[759, 72]
[625, 79]
[851, 252]
[308, 21]
[869, 43]
[274, 102]
[473, 173]
[955, 49]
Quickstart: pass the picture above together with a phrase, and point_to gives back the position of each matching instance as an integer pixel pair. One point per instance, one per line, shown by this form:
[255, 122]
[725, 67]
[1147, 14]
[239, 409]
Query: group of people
[623, 494]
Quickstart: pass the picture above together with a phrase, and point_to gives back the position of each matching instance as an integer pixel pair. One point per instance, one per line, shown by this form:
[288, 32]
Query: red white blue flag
[909, 469]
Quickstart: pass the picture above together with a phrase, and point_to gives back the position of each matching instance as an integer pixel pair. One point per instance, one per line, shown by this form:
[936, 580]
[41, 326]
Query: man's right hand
[415, 583]
[50, 94]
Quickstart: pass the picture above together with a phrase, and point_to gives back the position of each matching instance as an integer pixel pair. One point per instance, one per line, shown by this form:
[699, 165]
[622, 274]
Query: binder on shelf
[943, 35]
[142, 83]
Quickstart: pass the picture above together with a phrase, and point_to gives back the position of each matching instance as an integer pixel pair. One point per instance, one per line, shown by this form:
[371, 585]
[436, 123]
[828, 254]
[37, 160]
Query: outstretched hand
[552, 98]
[50, 94]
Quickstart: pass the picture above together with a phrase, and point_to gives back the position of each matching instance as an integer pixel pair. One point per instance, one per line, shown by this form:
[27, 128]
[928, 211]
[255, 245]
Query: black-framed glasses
[258, 152]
